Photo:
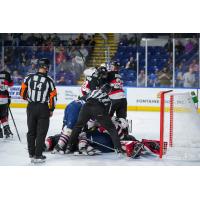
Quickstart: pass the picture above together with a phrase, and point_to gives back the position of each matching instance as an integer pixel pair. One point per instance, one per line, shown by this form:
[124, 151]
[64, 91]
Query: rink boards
[139, 99]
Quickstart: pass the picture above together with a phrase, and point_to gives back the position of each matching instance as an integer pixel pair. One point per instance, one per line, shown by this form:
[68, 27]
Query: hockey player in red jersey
[91, 81]
[117, 94]
[5, 83]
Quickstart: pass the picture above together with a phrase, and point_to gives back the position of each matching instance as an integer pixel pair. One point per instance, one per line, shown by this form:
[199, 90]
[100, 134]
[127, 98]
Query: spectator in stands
[169, 64]
[72, 52]
[194, 65]
[133, 40]
[189, 79]
[61, 81]
[16, 39]
[179, 47]
[69, 43]
[55, 40]
[23, 69]
[40, 40]
[87, 40]
[8, 55]
[32, 69]
[141, 78]
[179, 75]
[92, 41]
[84, 51]
[153, 79]
[34, 60]
[17, 78]
[60, 54]
[81, 38]
[63, 66]
[77, 68]
[43, 47]
[31, 39]
[23, 59]
[48, 38]
[164, 77]
[50, 46]
[131, 64]
[169, 45]
[76, 42]
[189, 46]
[34, 48]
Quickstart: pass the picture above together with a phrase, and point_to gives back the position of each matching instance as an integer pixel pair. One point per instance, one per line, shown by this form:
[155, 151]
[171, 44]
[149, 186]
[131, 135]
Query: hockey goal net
[179, 126]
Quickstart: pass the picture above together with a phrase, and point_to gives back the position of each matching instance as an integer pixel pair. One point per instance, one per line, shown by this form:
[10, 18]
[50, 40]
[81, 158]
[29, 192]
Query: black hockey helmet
[102, 70]
[44, 63]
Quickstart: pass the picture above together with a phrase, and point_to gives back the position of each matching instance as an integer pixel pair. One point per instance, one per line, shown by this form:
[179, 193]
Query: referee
[39, 90]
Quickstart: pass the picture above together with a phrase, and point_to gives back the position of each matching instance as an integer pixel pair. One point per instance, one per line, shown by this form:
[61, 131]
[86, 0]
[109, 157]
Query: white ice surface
[145, 125]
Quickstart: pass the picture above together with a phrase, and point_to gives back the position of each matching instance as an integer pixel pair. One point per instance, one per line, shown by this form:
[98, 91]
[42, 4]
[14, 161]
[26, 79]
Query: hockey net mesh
[181, 128]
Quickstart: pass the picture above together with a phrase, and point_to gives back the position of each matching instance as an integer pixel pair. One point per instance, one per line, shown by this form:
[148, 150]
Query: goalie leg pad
[132, 148]
[154, 146]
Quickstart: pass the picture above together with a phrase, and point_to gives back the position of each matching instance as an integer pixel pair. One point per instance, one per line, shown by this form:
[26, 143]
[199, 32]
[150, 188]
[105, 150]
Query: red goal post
[161, 95]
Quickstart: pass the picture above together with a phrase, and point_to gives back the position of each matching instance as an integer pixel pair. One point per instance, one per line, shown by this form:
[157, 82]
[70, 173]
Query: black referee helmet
[44, 63]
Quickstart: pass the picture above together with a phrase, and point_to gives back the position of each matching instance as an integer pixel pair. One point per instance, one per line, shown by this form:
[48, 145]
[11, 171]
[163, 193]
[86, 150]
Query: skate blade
[38, 161]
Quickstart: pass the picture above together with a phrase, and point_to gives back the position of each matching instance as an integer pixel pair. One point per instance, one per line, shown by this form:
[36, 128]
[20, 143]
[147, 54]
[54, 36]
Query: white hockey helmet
[89, 71]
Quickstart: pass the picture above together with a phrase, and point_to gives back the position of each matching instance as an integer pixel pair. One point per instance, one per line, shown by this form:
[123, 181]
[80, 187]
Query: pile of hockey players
[86, 132]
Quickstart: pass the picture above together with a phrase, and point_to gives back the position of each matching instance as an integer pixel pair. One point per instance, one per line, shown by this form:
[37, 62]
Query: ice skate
[58, 149]
[39, 159]
[7, 131]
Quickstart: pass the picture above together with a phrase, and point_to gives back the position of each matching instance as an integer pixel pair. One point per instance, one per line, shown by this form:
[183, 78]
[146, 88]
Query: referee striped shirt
[39, 88]
[100, 96]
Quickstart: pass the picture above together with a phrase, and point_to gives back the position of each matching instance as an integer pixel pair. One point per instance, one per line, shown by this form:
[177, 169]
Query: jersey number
[37, 86]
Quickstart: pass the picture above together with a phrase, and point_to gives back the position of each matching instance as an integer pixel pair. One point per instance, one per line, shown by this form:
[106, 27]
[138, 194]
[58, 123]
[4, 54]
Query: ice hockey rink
[145, 125]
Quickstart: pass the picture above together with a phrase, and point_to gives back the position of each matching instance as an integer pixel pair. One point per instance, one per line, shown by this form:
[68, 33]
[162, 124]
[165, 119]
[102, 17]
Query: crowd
[68, 56]
[160, 73]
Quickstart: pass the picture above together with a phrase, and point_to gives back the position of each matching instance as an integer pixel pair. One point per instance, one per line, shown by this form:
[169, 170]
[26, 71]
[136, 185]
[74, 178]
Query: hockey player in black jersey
[5, 83]
[96, 107]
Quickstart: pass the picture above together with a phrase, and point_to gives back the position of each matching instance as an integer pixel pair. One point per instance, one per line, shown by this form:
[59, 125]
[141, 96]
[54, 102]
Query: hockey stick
[14, 124]
[133, 156]
[92, 141]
